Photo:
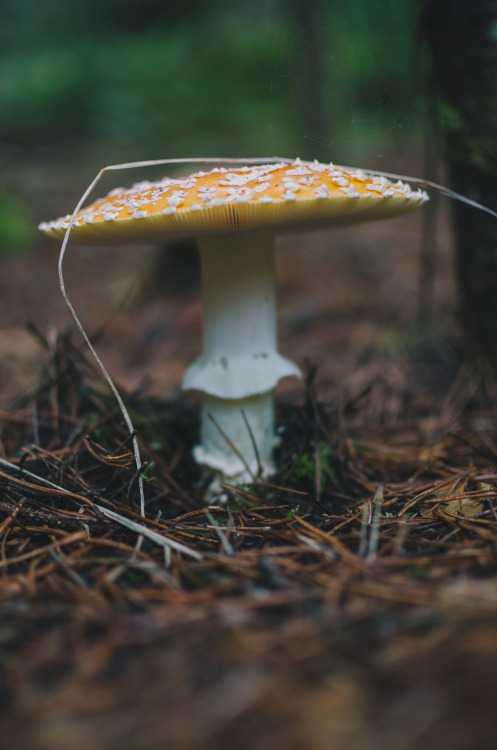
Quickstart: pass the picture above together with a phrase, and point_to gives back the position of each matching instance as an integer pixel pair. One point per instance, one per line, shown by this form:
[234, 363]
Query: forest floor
[349, 604]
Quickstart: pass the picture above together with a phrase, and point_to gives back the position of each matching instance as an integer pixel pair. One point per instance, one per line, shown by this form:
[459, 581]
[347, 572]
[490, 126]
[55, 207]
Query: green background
[99, 82]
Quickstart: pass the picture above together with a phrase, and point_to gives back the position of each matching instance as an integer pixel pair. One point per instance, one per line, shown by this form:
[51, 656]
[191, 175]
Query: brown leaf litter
[349, 603]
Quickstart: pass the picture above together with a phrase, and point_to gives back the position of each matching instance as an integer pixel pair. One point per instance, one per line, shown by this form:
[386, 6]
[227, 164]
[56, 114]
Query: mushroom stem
[240, 364]
[229, 430]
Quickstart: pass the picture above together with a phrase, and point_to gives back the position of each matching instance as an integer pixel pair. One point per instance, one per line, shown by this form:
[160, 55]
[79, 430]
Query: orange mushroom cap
[301, 195]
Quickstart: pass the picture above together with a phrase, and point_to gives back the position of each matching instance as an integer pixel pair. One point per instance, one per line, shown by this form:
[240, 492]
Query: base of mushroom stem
[237, 438]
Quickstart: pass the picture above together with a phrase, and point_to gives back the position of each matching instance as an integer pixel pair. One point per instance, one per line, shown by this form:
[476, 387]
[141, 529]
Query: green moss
[304, 467]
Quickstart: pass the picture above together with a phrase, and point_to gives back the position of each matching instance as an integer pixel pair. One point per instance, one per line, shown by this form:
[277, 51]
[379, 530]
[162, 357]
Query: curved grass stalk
[193, 160]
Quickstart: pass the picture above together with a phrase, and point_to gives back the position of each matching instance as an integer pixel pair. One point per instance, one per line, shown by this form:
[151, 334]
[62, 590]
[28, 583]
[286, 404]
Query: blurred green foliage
[16, 229]
[165, 89]
[88, 83]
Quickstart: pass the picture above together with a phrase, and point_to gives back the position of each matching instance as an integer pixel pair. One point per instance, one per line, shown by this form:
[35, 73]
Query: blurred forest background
[85, 84]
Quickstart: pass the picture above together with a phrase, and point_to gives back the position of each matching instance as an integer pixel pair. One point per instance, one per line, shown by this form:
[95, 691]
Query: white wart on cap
[235, 213]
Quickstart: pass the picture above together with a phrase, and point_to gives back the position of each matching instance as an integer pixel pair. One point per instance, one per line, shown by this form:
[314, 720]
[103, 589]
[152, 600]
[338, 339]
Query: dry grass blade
[142, 530]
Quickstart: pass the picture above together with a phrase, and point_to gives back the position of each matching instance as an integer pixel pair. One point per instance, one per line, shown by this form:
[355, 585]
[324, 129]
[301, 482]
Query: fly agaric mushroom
[235, 214]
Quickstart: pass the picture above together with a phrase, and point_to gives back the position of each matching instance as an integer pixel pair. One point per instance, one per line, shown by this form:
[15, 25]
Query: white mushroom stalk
[240, 364]
[235, 213]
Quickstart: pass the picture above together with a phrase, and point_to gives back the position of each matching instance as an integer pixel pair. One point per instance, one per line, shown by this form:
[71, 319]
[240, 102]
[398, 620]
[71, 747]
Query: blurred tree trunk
[312, 104]
[462, 41]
